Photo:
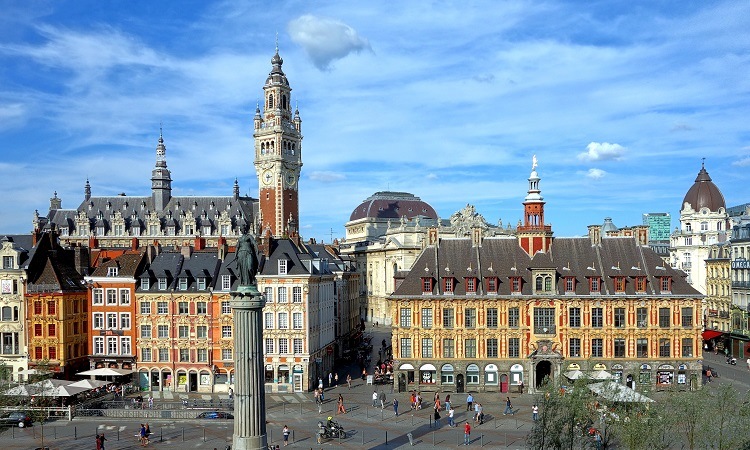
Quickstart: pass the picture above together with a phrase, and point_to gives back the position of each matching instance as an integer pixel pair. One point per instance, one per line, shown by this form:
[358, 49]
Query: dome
[704, 194]
[608, 226]
[392, 205]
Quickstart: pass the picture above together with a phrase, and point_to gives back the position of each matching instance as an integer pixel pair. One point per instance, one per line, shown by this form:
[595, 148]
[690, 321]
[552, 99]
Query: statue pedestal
[249, 385]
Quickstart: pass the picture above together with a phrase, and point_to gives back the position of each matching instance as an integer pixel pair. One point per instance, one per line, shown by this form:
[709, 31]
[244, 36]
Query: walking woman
[341, 409]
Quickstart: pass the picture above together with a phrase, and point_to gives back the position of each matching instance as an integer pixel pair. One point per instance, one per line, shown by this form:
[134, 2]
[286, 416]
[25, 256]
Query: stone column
[249, 388]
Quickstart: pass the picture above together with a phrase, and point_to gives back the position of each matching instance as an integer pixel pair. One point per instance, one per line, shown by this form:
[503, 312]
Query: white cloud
[602, 151]
[325, 40]
[595, 174]
[327, 177]
[744, 162]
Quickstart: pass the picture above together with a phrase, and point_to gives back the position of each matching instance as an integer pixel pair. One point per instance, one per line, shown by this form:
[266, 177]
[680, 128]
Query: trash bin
[411, 439]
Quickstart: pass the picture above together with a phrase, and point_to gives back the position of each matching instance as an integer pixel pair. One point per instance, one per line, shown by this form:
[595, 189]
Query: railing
[741, 284]
[49, 412]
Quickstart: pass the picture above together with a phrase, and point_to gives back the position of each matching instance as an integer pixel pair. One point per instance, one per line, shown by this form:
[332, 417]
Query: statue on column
[247, 259]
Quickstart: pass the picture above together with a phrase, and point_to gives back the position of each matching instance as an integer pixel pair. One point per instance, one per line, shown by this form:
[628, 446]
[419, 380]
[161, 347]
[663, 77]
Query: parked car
[215, 415]
[13, 418]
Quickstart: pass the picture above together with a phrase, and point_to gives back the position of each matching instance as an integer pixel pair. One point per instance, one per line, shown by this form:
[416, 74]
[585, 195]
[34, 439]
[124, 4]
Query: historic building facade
[718, 301]
[487, 313]
[740, 279]
[14, 251]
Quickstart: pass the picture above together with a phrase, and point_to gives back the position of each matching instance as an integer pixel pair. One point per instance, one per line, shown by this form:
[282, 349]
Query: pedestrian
[381, 397]
[143, 435]
[148, 433]
[349, 380]
[598, 440]
[467, 433]
[150, 401]
[330, 378]
[336, 379]
[451, 412]
[341, 408]
[318, 402]
[322, 395]
[231, 394]
[535, 412]
[709, 374]
[476, 412]
[374, 398]
[447, 402]
[364, 373]
[285, 432]
[436, 416]
[508, 407]
[419, 400]
[320, 383]
[101, 439]
[98, 442]
[469, 401]
[413, 398]
[395, 406]
[520, 387]
[480, 414]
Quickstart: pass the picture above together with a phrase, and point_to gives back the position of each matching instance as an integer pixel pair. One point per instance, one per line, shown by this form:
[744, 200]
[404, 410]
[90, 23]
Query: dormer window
[226, 282]
[206, 230]
[570, 285]
[162, 283]
[666, 284]
[9, 262]
[170, 231]
[427, 285]
[492, 285]
[619, 285]
[112, 271]
[201, 283]
[471, 285]
[448, 286]
[640, 284]
[64, 231]
[189, 230]
[543, 283]
[145, 284]
[282, 266]
[100, 231]
[515, 285]
[183, 283]
[595, 285]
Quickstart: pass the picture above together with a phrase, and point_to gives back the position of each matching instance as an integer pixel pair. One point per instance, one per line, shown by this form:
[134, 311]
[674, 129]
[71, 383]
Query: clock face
[267, 177]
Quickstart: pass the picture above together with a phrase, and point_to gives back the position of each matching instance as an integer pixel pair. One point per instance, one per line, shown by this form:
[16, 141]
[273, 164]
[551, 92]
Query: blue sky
[446, 100]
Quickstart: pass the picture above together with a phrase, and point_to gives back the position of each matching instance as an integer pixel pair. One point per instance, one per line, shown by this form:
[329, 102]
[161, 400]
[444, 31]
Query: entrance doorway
[543, 370]
[459, 382]
[193, 380]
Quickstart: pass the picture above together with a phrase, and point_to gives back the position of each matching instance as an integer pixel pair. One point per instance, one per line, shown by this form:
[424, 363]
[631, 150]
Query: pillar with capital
[249, 392]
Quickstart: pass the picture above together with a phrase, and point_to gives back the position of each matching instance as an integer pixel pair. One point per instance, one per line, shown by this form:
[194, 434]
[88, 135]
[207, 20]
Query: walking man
[382, 400]
[336, 379]
[395, 406]
[330, 378]
[285, 432]
[469, 401]
[467, 433]
[535, 412]
[374, 398]
[349, 380]
[508, 407]
[451, 422]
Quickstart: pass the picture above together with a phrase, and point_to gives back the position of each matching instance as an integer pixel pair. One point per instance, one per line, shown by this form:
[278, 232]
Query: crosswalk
[293, 397]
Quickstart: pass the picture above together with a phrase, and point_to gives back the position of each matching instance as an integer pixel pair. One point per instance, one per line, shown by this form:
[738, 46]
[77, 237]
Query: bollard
[75, 433]
[433, 438]
[363, 438]
[481, 440]
[293, 433]
[183, 434]
[118, 433]
[386, 437]
[204, 434]
[161, 434]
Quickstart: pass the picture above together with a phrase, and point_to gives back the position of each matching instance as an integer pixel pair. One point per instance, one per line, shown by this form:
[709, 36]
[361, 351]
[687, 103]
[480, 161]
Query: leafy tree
[730, 412]
[565, 414]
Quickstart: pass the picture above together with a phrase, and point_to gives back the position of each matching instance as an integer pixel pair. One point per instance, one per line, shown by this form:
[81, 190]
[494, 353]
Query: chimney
[595, 235]
[134, 244]
[200, 243]
[186, 251]
[432, 236]
[642, 234]
[264, 246]
[476, 237]
[81, 260]
[221, 246]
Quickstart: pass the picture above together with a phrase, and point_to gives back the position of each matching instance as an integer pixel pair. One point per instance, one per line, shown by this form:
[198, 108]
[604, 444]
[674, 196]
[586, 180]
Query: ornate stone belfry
[534, 235]
[278, 153]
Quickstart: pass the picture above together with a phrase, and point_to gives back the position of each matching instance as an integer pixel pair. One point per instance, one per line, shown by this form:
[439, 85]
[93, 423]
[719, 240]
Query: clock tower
[278, 154]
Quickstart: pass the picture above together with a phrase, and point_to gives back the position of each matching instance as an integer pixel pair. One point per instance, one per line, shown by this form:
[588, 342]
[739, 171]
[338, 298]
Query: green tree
[727, 424]
[565, 413]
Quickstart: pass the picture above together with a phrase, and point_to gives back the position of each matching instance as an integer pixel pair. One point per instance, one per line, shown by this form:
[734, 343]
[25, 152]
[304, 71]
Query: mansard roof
[129, 264]
[503, 258]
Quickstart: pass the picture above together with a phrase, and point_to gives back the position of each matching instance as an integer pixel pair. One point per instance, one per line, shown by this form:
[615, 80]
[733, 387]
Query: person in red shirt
[467, 433]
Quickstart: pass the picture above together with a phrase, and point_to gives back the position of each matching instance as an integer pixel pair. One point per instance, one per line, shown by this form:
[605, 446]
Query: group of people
[143, 434]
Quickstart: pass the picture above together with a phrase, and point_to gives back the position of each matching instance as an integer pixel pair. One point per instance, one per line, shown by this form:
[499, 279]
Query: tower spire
[161, 180]
[534, 235]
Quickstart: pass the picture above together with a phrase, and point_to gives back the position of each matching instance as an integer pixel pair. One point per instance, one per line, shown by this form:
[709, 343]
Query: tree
[729, 418]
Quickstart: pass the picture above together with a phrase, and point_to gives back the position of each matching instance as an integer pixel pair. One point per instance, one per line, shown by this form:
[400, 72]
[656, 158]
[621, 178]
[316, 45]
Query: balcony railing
[741, 284]
[547, 329]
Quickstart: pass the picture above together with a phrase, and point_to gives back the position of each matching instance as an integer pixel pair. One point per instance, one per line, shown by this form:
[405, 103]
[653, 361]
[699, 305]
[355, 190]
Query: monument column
[249, 393]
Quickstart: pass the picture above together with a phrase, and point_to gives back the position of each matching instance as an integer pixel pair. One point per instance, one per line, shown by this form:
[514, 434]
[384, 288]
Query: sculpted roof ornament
[464, 220]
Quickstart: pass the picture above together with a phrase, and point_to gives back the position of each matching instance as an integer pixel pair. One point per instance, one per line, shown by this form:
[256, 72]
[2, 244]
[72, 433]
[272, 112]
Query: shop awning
[711, 334]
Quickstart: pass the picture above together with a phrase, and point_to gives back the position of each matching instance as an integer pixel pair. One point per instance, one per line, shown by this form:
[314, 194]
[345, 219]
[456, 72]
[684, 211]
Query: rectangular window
[687, 317]
[544, 320]
[97, 299]
[664, 317]
[640, 284]
[575, 347]
[38, 308]
[297, 347]
[201, 308]
[427, 285]
[145, 331]
[226, 331]
[51, 308]
[641, 315]
[515, 285]
[52, 329]
[597, 317]
[470, 318]
[145, 284]
[226, 282]
[448, 285]
[619, 317]
[471, 285]
[268, 321]
[162, 331]
[184, 355]
[594, 285]
[664, 350]
[427, 318]
[470, 348]
[162, 308]
[202, 355]
[492, 348]
[38, 353]
[52, 352]
[687, 347]
[297, 320]
[112, 345]
[619, 285]
[163, 354]
[183, 331]
[448, 317]
[405, 317]
[270, 347]
[283, 320]
[98, 345]
[427, 348]
[641, 348]
[597, 348]
[492, 285]
[513, 317]
[297, 294]
[98, 319]
[514, 347]
[37, 329]
[283, 346]
[125, 321]
[146, 354]
[570, 284]
[282, 295]
[492, 315]
[111, 321]
[124, 296]
[201, 332]
[666, 284]
[145, 307]
[125, 347]
[268, 293]
[111, 296]
[182, 308]
[282, 266]
[163, 284]
[405, 347]
[226, 354]
[226, 308]
[574, 317]
[619, 348]
[8, 262]
[201, 283]
[449, 350]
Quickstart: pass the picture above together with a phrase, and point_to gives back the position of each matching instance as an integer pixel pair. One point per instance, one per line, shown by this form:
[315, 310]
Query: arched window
[547, 284]
[539, 282]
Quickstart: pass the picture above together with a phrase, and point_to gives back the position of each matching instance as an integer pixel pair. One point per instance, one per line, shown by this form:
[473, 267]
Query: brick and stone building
[15, 253]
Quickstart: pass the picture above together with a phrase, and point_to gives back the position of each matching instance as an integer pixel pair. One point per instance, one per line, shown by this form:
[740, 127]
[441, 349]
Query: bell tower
[278, 154]
[534, 235]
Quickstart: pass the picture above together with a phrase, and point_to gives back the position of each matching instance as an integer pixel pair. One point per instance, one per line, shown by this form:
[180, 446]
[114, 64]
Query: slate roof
[200, 265]
[129, 264]
[52, 268]
[502, 257]
[165, 265]
[23, 243]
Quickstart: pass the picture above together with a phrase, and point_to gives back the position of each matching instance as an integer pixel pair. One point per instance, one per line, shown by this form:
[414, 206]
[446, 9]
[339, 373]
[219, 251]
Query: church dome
[392, 205]
[704, 194]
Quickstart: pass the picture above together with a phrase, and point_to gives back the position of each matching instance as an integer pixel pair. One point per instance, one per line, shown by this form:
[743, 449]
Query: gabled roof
[129, 264]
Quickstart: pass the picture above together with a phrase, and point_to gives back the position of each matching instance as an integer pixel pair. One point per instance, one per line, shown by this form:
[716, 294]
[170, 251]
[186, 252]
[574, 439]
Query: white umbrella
[618, 393]
[106, 372]
[67, 391]
[601, 375]
[89, 384]
[575, 374]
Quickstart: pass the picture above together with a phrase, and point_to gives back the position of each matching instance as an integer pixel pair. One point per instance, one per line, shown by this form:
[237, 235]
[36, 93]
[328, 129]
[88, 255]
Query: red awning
[711, 334]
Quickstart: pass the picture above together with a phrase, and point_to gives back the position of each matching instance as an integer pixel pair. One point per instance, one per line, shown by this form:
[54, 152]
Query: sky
[447, 100]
